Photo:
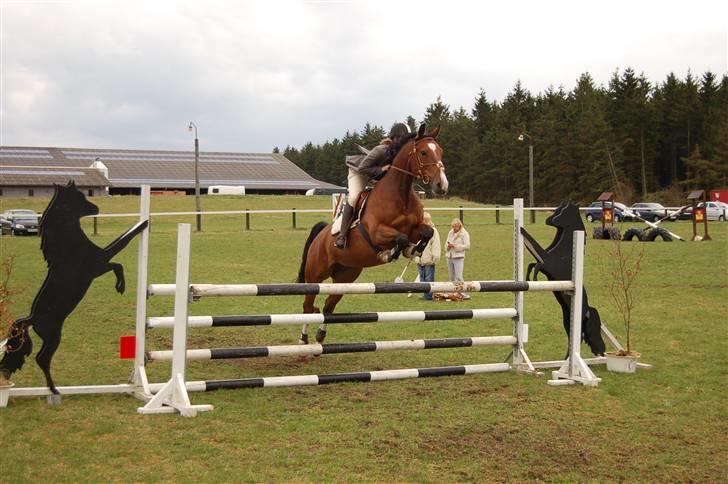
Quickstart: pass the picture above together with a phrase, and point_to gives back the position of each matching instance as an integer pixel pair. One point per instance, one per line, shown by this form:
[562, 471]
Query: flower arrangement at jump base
[623, 269]
[6, 268]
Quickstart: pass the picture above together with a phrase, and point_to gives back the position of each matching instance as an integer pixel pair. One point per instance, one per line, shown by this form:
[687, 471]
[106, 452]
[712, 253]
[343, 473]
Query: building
[127, 170]
[38, 181]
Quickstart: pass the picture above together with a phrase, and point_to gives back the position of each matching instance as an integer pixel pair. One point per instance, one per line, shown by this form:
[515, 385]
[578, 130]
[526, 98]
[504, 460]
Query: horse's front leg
[423, 234]
[386, 235]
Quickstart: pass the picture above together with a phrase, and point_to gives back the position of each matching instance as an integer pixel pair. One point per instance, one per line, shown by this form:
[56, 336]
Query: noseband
[420, 175]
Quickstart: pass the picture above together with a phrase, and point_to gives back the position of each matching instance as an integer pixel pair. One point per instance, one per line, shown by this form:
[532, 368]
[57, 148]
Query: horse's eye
[424, 153]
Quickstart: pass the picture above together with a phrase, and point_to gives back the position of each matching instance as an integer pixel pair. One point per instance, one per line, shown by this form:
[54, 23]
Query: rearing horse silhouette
[392, 224]
[73, 263]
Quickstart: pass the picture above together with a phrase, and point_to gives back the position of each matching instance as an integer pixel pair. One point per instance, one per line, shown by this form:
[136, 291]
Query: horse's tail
[17, 348]
[314, 232]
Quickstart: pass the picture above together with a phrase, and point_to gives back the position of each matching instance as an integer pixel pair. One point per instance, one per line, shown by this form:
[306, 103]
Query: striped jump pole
[302, 289]
[336, 318]
[335, 348]
[370, 376]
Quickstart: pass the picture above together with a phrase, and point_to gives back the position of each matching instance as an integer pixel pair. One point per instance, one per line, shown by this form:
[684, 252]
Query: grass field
[666, 424]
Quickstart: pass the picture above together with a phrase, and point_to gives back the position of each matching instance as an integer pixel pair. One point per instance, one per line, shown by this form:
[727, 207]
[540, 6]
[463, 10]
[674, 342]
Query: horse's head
[69, 202]
[425, 160]
[566, 216]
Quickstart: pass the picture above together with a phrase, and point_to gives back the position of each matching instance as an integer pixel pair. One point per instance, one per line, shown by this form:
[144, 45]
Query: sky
[257, 74]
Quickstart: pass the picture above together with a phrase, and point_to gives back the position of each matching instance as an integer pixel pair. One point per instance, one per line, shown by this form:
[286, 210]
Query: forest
[643, 140]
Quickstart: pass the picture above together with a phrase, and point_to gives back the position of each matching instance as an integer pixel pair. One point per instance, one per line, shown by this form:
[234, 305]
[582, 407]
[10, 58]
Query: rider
[364, 168]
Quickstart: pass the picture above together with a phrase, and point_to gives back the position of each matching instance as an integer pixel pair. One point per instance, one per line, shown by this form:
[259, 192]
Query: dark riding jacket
[370, 164]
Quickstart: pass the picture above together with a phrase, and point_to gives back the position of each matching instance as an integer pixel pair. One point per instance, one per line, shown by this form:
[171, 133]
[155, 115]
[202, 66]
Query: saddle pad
[360, 204]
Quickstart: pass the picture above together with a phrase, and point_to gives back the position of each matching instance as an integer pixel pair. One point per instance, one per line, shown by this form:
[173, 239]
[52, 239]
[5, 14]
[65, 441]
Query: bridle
[420, 175]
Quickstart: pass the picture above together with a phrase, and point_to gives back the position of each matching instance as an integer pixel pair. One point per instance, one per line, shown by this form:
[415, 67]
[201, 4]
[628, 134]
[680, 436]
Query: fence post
[96, 226]
[462, 215]
[497, 214]
[293, 217]
[247, 219]
[533, 215]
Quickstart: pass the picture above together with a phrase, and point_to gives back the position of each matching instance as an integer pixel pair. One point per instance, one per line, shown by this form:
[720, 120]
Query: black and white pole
[172, 397]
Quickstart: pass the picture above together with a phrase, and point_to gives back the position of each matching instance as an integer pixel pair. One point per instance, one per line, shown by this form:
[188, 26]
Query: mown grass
[668, 423]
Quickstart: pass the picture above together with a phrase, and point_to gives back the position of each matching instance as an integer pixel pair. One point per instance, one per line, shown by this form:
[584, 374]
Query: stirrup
[340, 242]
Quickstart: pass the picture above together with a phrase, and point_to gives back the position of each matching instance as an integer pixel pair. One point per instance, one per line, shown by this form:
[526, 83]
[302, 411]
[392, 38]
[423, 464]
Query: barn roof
[172, 169]
[39, 176]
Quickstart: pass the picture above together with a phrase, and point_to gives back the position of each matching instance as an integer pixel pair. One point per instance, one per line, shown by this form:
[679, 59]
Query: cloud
[255, 74]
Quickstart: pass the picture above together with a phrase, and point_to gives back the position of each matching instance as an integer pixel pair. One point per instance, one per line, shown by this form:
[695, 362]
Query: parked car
[594, 211]
[19, 221]
[717, 211]
[649, 211]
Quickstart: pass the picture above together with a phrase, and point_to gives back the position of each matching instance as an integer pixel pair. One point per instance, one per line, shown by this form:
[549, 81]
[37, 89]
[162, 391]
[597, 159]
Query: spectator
[430, 256]
[458, 241]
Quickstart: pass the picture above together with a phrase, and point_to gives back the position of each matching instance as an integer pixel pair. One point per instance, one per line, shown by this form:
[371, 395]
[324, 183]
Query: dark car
[594, 211]
[19, 221]
[649, 211]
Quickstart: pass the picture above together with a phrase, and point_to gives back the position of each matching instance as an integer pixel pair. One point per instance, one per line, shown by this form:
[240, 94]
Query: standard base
[171, 398]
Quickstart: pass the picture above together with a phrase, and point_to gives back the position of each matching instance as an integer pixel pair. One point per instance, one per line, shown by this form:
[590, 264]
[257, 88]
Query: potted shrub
[624, 266]
[5, 323]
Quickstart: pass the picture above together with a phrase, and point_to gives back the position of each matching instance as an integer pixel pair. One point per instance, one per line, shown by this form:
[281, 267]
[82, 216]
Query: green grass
[668, 423]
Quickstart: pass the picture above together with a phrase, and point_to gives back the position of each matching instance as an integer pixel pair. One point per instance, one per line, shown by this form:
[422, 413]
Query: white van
[226, 190]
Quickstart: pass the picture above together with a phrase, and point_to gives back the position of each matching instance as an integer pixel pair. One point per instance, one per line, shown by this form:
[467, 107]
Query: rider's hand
[385, 168]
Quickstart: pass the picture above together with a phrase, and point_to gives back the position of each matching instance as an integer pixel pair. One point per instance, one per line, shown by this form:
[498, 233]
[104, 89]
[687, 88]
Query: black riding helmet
[399, 130]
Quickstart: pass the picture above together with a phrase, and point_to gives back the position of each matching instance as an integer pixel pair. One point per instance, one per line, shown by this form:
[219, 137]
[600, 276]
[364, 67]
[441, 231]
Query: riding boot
[346, 218]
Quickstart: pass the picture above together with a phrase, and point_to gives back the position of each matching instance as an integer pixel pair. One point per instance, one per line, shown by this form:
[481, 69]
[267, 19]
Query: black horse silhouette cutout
[556, 261]
[73, 263]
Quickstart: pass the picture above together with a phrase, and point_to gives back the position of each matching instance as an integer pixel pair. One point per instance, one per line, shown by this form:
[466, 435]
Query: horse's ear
[71, 184]
[434, 133]
[421, 131]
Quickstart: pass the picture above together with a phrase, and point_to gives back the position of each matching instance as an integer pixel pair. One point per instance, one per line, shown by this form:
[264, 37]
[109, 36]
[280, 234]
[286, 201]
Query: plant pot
[620, 363]
[5, 394]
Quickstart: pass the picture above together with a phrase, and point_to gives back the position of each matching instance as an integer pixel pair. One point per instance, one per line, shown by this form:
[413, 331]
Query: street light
[198, 216]
[521, 137]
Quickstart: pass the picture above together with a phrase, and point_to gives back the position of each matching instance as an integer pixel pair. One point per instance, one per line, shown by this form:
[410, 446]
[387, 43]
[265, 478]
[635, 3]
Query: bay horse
[392, 223]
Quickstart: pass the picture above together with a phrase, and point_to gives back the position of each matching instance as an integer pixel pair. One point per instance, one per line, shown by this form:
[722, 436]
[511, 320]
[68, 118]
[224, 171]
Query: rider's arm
[372, 163]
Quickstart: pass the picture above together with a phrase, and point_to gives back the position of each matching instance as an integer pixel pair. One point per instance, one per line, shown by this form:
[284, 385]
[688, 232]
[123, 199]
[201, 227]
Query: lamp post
[521, 137]
[198, 215]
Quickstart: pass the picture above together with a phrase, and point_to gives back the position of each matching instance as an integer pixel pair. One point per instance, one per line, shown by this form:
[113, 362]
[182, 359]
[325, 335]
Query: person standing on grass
[458, 242]
[429, 258]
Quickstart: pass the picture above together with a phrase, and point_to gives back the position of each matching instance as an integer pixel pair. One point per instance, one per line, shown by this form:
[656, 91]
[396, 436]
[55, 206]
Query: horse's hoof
[303, 340]
[320, 335]
[54, 400]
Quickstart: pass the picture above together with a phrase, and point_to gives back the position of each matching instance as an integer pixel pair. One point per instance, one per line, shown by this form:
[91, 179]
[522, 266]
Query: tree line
[635, 138]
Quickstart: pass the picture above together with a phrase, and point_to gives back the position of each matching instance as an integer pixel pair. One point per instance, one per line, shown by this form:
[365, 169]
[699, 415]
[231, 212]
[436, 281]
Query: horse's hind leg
[341, 275]
[308, 308]
[45, 355]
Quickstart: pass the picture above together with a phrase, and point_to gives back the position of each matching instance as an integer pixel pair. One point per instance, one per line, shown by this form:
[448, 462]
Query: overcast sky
[258, 74]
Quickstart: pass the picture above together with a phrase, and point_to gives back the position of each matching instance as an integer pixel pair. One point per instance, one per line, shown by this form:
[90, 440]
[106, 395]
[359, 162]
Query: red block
[127, 347]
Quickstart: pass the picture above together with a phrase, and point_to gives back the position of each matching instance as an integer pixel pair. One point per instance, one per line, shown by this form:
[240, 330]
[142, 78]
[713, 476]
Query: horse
[73, 263]
[391, 225]
[555, 261]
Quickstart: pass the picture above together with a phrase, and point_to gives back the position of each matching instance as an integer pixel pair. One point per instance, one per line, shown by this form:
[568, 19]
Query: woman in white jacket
[458, 241]
[429, 258]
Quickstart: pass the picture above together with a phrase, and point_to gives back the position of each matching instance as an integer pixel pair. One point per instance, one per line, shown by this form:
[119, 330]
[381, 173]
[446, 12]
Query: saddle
[359, 206]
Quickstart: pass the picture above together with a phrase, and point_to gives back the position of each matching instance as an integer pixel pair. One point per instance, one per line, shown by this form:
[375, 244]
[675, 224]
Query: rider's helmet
[398, 131]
